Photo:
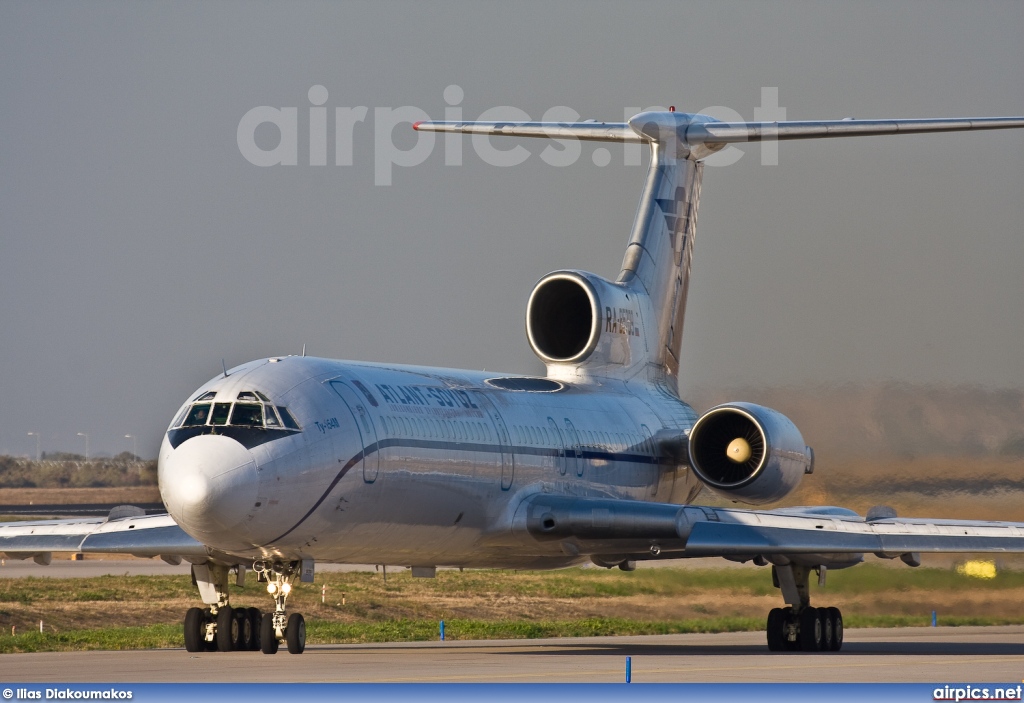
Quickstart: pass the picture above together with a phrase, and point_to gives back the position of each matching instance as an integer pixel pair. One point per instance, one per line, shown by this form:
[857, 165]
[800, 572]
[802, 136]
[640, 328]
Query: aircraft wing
[138, 535]
[596, 526]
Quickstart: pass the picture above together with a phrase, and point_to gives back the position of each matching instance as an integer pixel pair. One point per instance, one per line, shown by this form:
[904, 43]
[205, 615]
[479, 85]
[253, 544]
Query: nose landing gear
[278, 626]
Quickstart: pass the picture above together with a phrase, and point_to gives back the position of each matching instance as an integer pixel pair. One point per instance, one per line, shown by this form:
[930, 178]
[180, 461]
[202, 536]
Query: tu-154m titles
[283, 462]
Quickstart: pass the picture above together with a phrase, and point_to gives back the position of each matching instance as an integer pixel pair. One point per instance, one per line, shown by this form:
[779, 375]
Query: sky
[140, 247]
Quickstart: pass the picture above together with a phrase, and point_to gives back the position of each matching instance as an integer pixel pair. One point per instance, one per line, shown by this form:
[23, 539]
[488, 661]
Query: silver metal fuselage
[414, 466]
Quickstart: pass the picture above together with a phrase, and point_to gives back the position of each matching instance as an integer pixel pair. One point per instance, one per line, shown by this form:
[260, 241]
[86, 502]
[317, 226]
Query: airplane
[287, 461]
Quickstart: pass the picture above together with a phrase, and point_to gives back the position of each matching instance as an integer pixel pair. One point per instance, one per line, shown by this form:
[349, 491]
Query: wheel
[295, 633]
[227, 629]
[810, 630]
[245, 634]
[776, 630]
[827, 629]
[255, 620]
[837, 628]
[195, 629]
[268, 638]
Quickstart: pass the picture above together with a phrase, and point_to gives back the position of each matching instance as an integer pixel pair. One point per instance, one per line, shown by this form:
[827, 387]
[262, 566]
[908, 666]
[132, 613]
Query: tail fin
[657, 260]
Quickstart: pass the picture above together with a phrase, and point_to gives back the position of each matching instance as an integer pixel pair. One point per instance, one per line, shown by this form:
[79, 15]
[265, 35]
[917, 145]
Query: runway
[940, 655]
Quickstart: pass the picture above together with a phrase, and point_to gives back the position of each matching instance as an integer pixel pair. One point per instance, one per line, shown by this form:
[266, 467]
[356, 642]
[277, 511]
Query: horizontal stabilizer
[732, 132]
[696, 129]
[587, 131]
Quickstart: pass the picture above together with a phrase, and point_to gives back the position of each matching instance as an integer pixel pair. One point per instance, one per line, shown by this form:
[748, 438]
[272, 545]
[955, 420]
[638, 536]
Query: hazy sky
[138, 247]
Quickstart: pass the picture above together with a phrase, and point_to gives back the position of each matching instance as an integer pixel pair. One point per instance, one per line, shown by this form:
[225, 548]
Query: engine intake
[562, 321]
[749, 453]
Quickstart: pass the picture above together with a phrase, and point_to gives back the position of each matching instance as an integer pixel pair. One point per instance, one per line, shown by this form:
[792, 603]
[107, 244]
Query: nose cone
[209, 485]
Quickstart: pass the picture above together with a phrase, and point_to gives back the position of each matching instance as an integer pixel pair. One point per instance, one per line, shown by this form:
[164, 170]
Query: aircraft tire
[776, 630]
[194, 626]
[227, 629]
[243, 643]
[295, 634]
[827, 629]
[255, 620]
[810, 630]
[837, 628]
[268, 638]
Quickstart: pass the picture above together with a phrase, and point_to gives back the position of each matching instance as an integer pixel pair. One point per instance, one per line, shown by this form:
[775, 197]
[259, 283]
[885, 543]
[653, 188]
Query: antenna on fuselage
[225, 367]
[303, 349]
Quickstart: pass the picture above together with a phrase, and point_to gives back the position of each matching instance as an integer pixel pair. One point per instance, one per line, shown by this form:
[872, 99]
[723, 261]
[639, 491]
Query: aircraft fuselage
[407, 465]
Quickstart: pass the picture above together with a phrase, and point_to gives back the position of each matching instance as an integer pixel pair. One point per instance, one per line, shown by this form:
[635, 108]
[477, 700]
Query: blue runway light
[629, 669]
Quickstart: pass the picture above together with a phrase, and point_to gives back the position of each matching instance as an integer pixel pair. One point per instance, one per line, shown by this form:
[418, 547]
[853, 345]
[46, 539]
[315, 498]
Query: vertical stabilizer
[660, 249]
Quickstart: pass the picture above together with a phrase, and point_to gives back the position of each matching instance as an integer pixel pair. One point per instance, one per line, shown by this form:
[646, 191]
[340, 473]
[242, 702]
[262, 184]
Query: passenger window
[271, 416]
[248, 414]
[199, 414]
[287, 419]
[220, 413]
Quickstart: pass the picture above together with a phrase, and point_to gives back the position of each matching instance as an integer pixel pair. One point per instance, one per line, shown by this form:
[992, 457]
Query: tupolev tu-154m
[286, 461]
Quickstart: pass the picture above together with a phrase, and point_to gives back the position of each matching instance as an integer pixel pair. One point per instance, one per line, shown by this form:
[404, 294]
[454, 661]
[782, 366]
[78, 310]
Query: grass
[114, 612]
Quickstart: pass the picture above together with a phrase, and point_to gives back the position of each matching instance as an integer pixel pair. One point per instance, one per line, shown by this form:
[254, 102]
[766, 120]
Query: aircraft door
[367, 430]
[508, 459]
[561, 446]
[575, 457]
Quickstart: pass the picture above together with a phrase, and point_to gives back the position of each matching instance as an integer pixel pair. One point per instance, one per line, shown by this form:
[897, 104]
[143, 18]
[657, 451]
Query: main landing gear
[800, 627]
[221, 628]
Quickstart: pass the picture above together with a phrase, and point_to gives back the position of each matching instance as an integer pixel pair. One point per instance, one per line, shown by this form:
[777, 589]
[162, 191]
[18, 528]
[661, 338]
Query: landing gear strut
[800, 627]
[278, 626]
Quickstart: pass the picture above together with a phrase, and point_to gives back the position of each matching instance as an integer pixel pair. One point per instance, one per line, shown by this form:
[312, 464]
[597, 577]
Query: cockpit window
[220, 413]
[208, 395]
[181, 416]
[247, 414]
[287, 419]
[251, 411]
[198, 415]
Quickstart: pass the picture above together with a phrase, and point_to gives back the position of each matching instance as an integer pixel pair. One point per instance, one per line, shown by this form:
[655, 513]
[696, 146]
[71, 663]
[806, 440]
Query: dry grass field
[146, 611]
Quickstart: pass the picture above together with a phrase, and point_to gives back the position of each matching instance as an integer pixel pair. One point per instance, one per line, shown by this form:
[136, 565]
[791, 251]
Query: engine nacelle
[749, 453]
[575, 318]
